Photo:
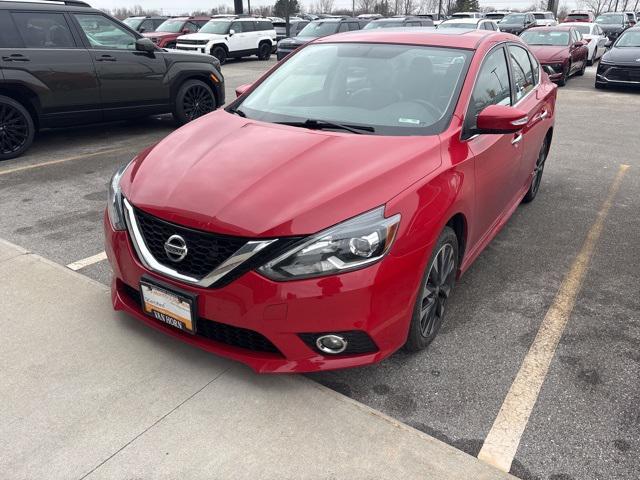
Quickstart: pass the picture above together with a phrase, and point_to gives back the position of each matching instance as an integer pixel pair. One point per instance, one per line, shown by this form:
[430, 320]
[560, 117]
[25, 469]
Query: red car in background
[580, 16]
[167, 33]
[560, 50]
[321, 220]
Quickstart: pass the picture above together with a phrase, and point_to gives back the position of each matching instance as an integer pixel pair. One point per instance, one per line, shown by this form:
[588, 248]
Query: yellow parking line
[61, 160]
[502, 442]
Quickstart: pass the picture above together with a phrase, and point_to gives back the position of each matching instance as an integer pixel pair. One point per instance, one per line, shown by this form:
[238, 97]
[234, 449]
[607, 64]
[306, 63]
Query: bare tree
[365, 6]
[598, 6]
[324, 6]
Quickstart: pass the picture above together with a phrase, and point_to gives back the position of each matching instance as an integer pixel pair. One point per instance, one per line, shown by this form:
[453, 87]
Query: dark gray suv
[65, 63]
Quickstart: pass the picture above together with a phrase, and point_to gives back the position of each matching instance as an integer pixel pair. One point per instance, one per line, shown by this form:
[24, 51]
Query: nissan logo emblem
[176, 248]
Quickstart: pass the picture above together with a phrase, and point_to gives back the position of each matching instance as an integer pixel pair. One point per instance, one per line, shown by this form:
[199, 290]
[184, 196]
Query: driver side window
[103, 33]
[492, 87]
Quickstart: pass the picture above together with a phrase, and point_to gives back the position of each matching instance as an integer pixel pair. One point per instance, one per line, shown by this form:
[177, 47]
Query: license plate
[169, 307]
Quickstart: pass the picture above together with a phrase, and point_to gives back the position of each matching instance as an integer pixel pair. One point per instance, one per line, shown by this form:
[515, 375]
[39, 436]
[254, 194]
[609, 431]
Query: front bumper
[376, 301]
[623, 75]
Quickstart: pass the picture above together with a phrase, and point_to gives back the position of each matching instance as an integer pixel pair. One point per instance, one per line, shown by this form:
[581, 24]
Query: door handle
[106, 58]
[517, 139]
[15, 57]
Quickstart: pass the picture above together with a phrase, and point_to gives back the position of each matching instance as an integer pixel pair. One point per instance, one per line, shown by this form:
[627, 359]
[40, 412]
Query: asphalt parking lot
[586, 421]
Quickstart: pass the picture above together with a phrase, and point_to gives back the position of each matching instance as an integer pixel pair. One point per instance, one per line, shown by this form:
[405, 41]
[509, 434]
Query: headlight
[350, 245]
[114, 202]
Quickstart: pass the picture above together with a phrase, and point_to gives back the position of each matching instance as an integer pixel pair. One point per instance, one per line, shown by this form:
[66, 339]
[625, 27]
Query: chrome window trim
[240, 256]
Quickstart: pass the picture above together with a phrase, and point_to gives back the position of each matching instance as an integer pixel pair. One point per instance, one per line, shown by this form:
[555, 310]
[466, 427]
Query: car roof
[470, 21]
[44, 5]
[561, 27]
[576, 24]
[454, 38]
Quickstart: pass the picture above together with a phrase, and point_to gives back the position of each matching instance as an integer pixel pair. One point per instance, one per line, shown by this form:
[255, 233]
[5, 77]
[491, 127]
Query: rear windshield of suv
[578, 16]
[384, 89]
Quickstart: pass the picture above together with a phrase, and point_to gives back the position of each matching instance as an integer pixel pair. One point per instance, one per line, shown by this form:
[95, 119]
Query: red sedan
[561, 50]
[167, 33]
[321, 220]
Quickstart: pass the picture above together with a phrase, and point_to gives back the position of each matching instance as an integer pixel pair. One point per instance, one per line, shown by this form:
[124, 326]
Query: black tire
[536, 178]
[264, 51]
[429, 310]
[565, 76]
[16, 128]
[194, 99]
[220, 53]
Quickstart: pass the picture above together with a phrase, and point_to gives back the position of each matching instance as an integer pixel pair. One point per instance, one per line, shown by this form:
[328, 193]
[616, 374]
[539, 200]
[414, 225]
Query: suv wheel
[220, 53]
[194, 99]
[264, 51]
[16, 128]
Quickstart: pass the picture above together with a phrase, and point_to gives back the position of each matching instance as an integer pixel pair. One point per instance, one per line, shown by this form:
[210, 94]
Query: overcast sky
[176, 7]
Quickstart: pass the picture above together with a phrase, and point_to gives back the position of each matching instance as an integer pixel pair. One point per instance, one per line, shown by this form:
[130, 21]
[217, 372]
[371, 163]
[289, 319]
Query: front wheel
[16, 128]
[194, 99]
[536, 177]
[435, 289]
[565, 76]
[220, 53]
[264, 51]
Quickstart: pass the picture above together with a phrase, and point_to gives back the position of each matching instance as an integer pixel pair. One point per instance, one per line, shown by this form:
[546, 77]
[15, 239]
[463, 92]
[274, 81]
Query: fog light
[332, 344]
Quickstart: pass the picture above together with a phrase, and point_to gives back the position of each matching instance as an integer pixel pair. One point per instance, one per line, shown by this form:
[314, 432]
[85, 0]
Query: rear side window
[343, 27]
[248, 26]
[146, 26]
[354, 26]
[522, 71]
[9, 36]
[43, 30]
[492, 87]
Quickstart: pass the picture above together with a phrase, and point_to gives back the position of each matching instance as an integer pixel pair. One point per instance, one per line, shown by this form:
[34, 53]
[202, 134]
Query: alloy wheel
[14, 129]
[537, 171]
[197, 101]
[437, 290]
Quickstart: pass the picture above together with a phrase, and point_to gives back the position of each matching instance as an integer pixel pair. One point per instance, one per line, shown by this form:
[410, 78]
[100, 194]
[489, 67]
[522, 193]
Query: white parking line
[502, 442]
[85, 262]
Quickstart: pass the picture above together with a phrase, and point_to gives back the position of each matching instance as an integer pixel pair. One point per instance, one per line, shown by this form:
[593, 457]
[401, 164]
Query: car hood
[230, 175]
[611, 28]
[620, 55]
[548, 53]
[159, 34]
[296, 41]
[200, 36]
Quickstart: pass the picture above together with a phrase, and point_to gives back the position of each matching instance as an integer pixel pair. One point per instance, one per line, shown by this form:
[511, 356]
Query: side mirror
[242, 88]
[548, 70]
[232, 32]
[145, 45]
[186, 30]
[501, 119]
[142, 30]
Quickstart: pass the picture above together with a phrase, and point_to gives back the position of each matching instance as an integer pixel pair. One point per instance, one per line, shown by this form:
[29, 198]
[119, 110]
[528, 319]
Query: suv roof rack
[72, 3]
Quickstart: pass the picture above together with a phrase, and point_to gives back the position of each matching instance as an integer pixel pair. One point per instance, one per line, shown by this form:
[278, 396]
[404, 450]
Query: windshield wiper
[237, 111]
[323, 124]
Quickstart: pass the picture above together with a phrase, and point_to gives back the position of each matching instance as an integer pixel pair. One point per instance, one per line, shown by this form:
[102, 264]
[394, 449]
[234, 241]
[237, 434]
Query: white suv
[545, 19]
[232, 37]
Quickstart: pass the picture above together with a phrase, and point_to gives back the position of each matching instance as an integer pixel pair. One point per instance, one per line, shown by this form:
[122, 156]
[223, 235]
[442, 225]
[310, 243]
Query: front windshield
[319, 29]
[171, 26]
[610, 19]
[219, 27]
[390, 24]
[467, 25]
[513, 19]
[629, 39]
[132, 22]
[392, 89]
[542, 37]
